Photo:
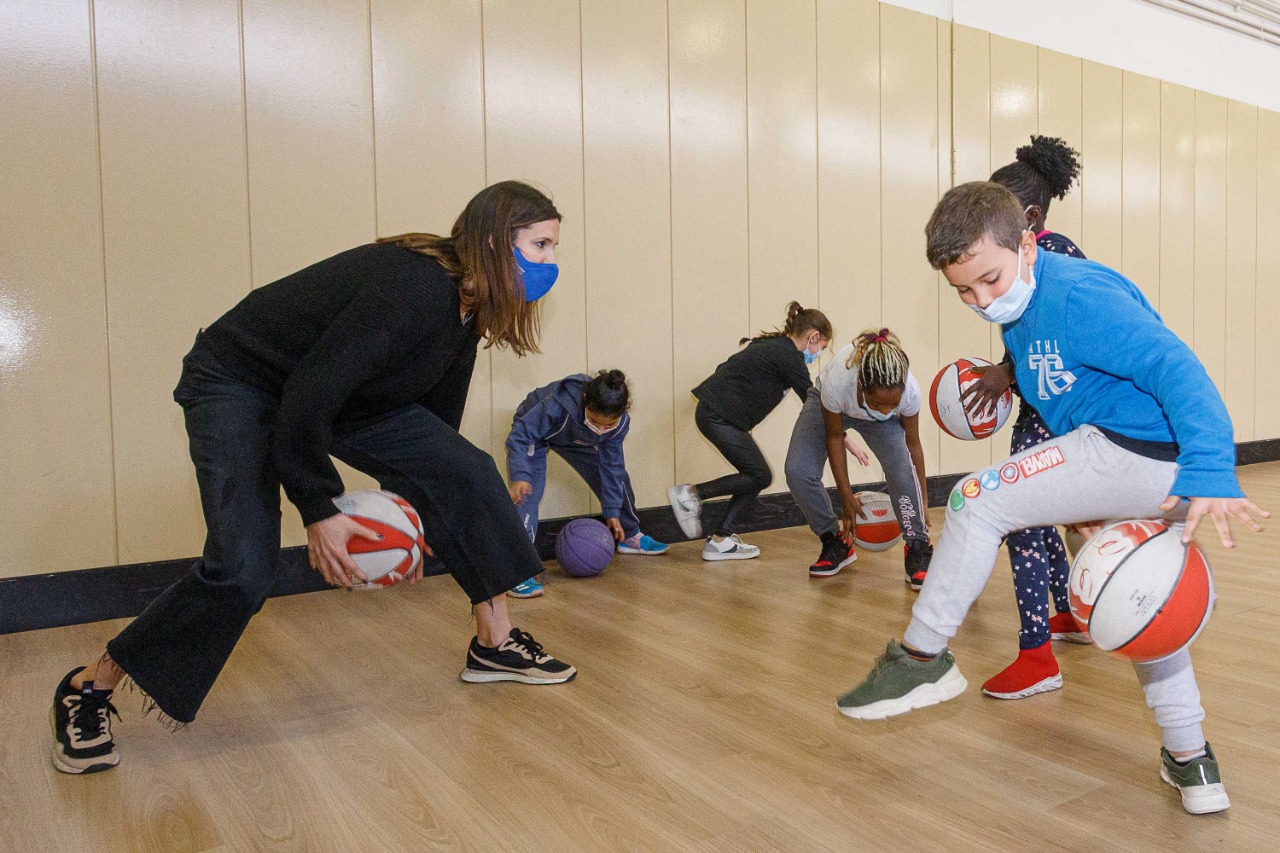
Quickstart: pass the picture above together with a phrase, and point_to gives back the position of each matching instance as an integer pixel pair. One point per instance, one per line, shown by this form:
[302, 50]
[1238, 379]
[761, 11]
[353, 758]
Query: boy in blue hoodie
[584, 419]
[1140, 430]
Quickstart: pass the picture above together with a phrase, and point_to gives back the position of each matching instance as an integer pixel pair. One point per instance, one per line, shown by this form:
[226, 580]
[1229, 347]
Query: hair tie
[880, 338]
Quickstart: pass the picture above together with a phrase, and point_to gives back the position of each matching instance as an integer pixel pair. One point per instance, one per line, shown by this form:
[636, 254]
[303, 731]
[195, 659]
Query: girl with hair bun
[731, 402]
[1043, 171]
[867, 387]
[584, 420]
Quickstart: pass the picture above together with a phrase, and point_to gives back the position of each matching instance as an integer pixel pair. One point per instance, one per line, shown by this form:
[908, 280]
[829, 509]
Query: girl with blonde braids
[868, 387]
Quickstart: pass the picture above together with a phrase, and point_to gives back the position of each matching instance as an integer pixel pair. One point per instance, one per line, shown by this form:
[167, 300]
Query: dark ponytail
[607, 393]
[1044, 170]
[800, 321]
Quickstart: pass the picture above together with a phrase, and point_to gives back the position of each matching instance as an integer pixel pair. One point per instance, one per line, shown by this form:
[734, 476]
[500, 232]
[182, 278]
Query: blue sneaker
[529, 589]
[642, 544]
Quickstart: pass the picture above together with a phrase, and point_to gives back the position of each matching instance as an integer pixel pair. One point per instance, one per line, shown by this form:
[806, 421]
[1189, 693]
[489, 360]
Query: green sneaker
[1198, 781]
[899, 683]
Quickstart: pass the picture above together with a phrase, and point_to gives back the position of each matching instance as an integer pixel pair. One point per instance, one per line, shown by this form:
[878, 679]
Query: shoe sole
[689, 521]
[915, 587]
[476, 676]
[1053, 682]
[826, 573]
[1217, 801]
[642, 553]
[105, 762]
[949, 686]
[537, 594]
[1081, 638]
[711, 558]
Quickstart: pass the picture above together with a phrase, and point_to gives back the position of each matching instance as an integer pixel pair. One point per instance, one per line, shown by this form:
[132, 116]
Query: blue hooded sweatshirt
[1090, 349]
[554, 416]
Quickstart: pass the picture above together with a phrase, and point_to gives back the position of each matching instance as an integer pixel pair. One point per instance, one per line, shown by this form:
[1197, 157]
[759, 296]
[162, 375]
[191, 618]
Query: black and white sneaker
[517, 658]
[918, 553]
[837, 552]
[81, 722]
[729, 548]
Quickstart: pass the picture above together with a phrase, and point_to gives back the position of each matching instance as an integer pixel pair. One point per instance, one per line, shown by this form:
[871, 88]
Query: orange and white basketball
[394, 557]
[1139, 592]
[877, 526]
[948, 410]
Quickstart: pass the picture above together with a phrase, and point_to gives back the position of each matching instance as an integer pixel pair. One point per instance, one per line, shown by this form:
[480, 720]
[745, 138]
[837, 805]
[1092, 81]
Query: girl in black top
[731, 402]
[366, 356]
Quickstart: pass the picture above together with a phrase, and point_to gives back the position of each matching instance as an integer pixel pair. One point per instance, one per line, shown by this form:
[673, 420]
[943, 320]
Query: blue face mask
[1008, 307]
[811, 357]
[537, 278]
[877, 416]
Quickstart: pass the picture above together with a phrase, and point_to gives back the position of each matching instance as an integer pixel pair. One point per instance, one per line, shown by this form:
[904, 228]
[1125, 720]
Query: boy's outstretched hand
[1243, 509]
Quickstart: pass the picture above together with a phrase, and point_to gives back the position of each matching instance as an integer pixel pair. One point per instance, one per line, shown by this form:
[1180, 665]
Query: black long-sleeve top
[345, 341]
[751, 383]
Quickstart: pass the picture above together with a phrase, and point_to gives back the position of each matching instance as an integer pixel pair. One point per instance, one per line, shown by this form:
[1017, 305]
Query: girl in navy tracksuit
[1043, 171]
[583, 419]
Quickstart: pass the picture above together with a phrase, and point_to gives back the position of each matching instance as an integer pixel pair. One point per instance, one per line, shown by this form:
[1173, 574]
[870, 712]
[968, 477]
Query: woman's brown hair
[478, 255]
[800, 321]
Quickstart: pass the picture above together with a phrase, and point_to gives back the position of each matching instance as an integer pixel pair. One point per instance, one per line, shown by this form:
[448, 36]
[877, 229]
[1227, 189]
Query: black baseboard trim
[57, 599]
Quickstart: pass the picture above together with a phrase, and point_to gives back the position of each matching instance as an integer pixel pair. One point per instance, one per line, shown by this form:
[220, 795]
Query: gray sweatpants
[1080, 476]
[807, 456]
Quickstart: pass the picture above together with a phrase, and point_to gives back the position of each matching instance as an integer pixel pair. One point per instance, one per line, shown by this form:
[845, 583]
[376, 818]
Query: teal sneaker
[642, 544]
[529, 589]
[1198, 781]
[899, 683]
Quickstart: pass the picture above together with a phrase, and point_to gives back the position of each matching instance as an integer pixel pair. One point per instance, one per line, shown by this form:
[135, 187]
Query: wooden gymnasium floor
[703, 719]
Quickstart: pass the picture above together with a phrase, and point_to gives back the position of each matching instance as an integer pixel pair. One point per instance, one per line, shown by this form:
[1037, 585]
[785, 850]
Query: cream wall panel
[910, 189]
[428, 109]
[1241, 266]
[1014, 120]
[1210, 302]
[55, 416]
[1061, 91]
[960, 332]
[708, 210]
[783, 177]
[176, 227]
[1267, 380]
[1140, 228]
[308, 85]
[1101, 147]
[628, 203]
[533, 131]
[849, 176]
[1177, 209]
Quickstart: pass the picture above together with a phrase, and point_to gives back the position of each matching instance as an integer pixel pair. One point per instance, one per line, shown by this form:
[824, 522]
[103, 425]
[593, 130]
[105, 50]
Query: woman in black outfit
[366, 356]
[731, 402]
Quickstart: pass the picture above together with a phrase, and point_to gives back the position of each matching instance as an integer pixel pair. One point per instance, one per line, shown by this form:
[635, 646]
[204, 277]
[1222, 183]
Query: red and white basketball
[877, 526]
[1139, 592]
[394, 557]
[948, 410]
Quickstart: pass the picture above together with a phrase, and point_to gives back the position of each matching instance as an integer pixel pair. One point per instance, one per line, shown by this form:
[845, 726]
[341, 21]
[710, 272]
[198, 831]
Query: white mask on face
[1009, 306]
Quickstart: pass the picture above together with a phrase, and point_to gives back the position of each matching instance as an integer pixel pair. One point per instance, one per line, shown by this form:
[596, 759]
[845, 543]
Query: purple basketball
[584, 547]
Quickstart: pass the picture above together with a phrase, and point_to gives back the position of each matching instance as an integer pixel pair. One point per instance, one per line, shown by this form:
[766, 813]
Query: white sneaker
[688, 509]
[729, 548]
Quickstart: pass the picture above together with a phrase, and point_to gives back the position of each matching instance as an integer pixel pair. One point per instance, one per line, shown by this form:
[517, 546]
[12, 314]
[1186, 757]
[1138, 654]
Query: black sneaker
[918, 553]
[837, 552]
[517, 658]
[81, 721]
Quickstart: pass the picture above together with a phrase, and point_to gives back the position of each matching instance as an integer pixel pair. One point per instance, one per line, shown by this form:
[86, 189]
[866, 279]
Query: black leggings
[739, 448]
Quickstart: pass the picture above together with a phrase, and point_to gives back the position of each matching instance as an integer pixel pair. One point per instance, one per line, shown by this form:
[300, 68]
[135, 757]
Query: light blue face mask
[811, 357]
[877, 416]
[1008, 307]
[537, 278]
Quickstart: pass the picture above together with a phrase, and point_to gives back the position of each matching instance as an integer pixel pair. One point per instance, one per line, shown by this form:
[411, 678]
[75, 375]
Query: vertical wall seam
[746, 135]
[373, 120]
[671, 251]
[244, 109]
[582, 136]
[484, 147]
[106, 291]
